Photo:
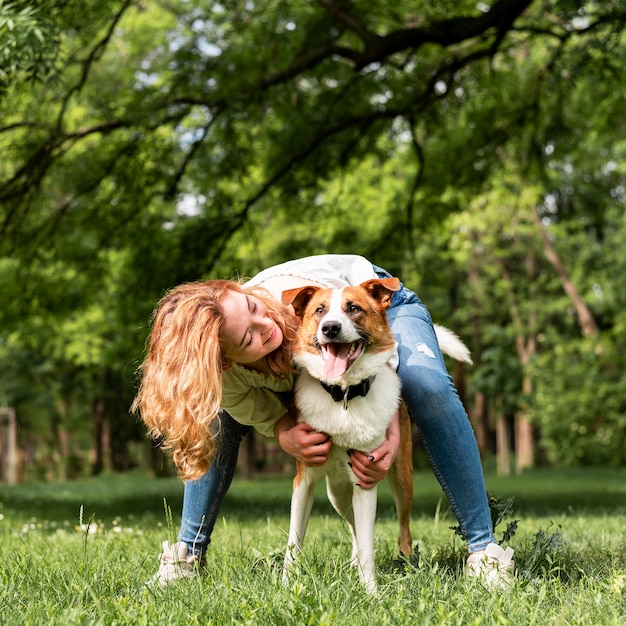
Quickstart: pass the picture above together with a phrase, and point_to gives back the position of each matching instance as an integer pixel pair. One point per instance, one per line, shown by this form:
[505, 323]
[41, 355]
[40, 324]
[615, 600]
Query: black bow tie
[338, 394]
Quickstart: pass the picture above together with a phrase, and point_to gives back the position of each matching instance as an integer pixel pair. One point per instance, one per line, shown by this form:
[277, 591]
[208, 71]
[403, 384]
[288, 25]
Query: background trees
[476, 150]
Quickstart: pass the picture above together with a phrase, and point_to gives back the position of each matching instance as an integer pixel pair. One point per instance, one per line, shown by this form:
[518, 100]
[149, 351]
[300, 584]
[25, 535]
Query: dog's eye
[354, 308]
[320, 310]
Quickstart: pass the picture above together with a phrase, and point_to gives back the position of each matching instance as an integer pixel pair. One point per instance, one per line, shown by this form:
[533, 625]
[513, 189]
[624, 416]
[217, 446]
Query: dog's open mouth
[338, 357]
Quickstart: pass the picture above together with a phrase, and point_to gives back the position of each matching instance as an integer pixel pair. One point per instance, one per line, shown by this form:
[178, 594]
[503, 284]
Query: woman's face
[249, 333]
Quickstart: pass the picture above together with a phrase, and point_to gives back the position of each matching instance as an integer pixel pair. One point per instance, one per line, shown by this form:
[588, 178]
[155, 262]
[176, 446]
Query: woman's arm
[298, 439]
[372, 468]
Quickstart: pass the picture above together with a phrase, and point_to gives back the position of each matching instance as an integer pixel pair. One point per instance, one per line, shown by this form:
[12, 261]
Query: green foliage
[28, 43]
[580, 402]
[185, 140]
[545, 556]
[500, 510]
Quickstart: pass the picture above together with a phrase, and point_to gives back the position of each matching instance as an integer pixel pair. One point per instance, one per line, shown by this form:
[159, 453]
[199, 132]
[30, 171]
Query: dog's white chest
[361, 423]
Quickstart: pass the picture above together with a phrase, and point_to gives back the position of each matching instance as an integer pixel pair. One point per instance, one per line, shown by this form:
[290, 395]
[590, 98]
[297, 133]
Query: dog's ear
[299, 298]
[381, 289]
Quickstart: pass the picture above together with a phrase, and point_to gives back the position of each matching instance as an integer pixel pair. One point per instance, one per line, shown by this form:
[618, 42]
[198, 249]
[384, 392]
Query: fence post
[9, 445]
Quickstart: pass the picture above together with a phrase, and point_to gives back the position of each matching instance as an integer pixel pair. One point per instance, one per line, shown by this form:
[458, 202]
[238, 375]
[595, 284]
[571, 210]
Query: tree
[171, 139]
[208, 101]
[30, 44]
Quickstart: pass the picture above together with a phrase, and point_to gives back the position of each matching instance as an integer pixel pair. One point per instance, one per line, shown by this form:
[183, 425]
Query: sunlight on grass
[64, 566]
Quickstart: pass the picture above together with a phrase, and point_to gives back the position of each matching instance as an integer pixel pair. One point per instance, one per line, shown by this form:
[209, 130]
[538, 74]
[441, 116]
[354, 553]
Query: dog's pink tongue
[336, 362]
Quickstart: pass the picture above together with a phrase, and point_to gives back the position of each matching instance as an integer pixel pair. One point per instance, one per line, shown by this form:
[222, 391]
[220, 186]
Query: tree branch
[349, 21]
[446, 32]
[93, 55]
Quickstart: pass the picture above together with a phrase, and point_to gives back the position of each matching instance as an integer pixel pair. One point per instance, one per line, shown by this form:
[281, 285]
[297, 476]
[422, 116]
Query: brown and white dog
[348, 390]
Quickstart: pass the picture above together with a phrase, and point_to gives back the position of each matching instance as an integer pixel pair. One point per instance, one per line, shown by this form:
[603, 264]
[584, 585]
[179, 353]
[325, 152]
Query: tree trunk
[8, 441]
[97, 412]
[586, 320]
[503, 452]
[61, 439]
[526, 347]
[524, 443]
[478, 413]
[524, 431]
[121, 455]
[477, 417]
[107, 461]
[524, 436]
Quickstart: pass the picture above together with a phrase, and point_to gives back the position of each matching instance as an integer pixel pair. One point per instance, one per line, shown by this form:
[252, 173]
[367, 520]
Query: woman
[218, 363]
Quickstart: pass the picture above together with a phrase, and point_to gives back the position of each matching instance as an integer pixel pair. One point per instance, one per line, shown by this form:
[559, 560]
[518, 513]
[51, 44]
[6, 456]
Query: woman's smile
[271, 335]
[249, 333]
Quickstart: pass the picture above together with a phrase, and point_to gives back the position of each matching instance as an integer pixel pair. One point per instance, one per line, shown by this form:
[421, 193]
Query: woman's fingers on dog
[367, 471]
[319, 444]
[306, 444]
[316, 461]
[316, 452]
[303, 429]
[367, 481]
[310, 435]
[382, 460]
[385, 454]
[366, 485]
[316, 455]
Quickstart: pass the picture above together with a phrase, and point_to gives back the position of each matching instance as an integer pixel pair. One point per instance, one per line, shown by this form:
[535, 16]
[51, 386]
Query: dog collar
[338, 394]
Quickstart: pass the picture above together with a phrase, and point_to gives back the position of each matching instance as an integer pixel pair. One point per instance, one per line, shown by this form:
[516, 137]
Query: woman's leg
[203, 497]
[436, 408]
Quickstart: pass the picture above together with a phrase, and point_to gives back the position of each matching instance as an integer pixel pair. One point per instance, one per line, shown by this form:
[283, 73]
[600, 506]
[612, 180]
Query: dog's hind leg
[301, 505]
[401, 483]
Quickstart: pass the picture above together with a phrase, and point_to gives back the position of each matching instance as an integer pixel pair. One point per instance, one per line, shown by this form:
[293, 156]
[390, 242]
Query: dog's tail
[451, 345]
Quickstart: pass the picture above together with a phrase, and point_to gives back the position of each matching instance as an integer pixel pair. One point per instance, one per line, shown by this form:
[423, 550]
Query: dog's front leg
[364, 504]
[301, 505]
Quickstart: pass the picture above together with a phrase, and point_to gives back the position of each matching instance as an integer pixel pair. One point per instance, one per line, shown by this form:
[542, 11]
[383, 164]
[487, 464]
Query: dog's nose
[331, 329]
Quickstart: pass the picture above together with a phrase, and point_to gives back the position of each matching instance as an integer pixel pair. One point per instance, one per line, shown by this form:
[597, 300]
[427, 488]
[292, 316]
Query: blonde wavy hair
[180, 391]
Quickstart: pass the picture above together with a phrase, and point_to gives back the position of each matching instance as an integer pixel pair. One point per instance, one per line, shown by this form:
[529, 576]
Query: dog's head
[344, 336]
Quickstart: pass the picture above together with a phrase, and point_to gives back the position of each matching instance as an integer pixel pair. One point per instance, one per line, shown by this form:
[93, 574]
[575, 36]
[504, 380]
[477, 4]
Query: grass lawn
[78, 554]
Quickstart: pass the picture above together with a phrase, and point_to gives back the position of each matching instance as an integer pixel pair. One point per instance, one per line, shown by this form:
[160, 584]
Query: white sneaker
[492, 565]
[175, 564]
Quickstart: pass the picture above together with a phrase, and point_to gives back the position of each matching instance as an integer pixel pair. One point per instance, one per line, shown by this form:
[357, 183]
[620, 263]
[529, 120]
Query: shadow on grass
[104, 497]
[540, 492]
[593, 491]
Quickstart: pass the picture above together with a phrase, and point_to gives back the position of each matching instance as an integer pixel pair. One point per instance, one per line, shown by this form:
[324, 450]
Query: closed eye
[252, 307]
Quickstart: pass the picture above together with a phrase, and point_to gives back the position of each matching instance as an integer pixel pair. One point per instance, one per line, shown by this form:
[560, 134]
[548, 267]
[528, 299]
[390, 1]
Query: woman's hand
[299, 440]
[371, 468]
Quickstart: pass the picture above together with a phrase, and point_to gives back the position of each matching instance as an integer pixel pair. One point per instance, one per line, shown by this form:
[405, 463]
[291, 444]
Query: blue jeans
[434, 405]
[203, 497]
[437, 410]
